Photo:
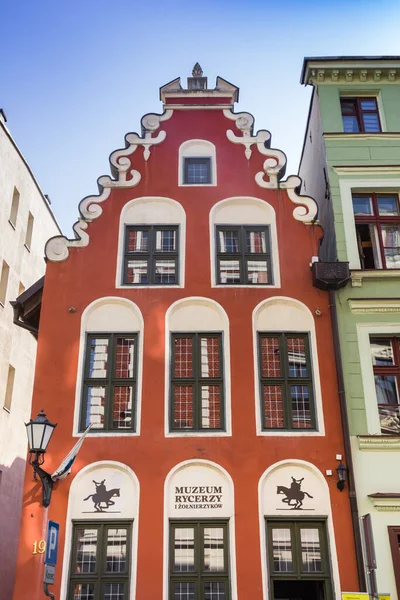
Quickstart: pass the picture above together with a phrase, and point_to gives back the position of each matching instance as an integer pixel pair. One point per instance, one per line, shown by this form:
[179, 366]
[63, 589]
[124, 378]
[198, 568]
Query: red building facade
[182, 323]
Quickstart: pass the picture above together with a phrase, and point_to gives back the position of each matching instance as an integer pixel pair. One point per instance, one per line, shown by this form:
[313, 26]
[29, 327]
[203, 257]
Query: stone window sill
[357, 276]
[379, 442]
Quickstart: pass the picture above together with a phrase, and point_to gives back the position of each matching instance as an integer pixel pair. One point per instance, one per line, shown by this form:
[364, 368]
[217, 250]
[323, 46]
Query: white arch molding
[110, 314]
[116, 474]
[200, 472]
[281, 313]
[245, 210]
[197, 314]
[319, 486]
[152, 210]
[196, 149]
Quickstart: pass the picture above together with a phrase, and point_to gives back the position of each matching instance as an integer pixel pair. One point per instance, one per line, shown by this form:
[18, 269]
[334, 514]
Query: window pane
[84, 591]
[391, 242]
[381, 352]
[183, 406]
[184, 591]
[371, 122]
[310, 550]
[198, 172]
[229, 241]
[124, 360]
[166, 240]
[257, 271]
[122, 406]
[273, 407]
[386, 389]
[165, 271]
[270, 358]
[297, 357]
[301, 410]
[86, 551]
[184, 549]
[209, 357]
[229, 271]
[114, 591]
[96, 399]
[388, 206]
[183, 366]
[214, 590]
[214, 549]
[210, 406]
[362, 206]
[390, 419]
[137, 272]
[98, 358]
[348, 107]
[350, 124]
[282, 550]
[256, 242]
[138, 241]
[392, 257]
[368, 246]
[116, 551]
[368, 104]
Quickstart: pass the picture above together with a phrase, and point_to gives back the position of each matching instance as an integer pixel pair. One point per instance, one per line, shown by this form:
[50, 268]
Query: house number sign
[39, 547]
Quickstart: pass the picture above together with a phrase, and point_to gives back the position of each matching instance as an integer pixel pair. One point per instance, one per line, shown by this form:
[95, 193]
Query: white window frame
[197, 149]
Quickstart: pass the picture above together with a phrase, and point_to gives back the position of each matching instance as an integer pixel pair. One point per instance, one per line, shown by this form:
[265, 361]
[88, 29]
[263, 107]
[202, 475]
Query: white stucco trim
[69, 528]
[220, 324]
[346, 187]
[305, 324]
[244, 210]
[231, 526]
[193, 149]
[367, 372]
[152, 210]
[327, 515]
[123, 302]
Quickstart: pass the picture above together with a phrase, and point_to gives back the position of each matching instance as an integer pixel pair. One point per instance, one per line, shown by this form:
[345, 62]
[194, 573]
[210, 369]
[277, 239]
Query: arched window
[197, 369]
[287, 382]
[101, 535]
[244, 243]
[197, 163]
[151, 243]
[109, 378]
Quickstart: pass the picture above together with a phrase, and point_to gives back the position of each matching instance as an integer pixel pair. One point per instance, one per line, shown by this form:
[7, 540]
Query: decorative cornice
[362, 170]
[355, 72]
[378, 443]
[375, 305]
[57, 248]
[385, 502]
[341, 135]
[357, 277]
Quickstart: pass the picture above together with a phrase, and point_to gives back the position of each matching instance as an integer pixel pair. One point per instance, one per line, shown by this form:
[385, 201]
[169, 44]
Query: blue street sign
[52, 543]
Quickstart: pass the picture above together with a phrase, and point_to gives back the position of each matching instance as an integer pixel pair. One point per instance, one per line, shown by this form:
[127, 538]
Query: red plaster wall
[89, 273]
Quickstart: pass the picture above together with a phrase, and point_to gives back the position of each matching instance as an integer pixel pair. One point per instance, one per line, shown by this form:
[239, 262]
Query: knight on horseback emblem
[294, 494]
[102, 496]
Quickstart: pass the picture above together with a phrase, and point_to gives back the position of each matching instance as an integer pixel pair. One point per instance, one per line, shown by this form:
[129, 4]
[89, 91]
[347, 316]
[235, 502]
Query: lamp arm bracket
[47, 483]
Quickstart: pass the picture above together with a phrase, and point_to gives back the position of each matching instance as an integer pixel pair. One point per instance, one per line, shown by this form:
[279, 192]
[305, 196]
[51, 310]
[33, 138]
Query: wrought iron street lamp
[341, 471]
[39, 433]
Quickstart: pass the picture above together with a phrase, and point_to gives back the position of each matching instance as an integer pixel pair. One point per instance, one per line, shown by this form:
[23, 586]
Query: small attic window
[197, 163]
[197, 171]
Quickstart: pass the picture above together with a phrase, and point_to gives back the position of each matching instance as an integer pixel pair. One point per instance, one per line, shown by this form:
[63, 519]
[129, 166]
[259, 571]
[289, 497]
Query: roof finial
[197, 71]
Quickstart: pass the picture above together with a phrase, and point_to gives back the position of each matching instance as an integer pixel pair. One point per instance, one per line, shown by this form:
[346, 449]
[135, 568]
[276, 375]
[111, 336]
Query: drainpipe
[347, 445]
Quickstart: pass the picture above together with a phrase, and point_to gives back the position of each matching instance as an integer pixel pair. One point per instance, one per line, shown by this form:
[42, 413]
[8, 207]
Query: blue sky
[76, 76]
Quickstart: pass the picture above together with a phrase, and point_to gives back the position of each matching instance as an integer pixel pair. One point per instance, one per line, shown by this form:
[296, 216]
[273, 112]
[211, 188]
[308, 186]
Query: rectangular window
[360, 115]
[385, 354]
[197, 171]
[14, 208]
[29, 231]
[9, 388]
[199, 560]
[377, 220]
[394, 538]
[243, 255]
[286, 381]
[100, 561]
[151, 255]
[109, 390]
[5, 270]
[197, 391]
[298, 559]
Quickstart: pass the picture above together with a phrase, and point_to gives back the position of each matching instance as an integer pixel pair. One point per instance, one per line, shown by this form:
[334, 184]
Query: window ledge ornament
[386, 502]
[374, 305]
[379, 443]
[57, 248]
[357, 276]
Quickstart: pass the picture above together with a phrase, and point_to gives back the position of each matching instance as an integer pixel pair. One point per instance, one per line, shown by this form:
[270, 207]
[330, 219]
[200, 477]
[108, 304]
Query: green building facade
[351, 165]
